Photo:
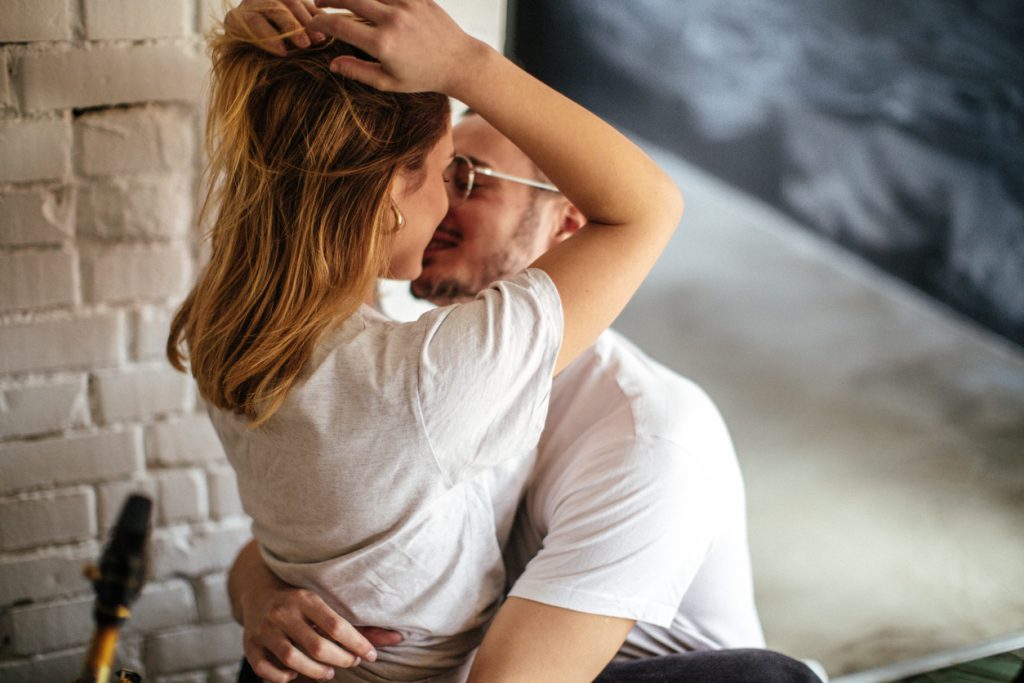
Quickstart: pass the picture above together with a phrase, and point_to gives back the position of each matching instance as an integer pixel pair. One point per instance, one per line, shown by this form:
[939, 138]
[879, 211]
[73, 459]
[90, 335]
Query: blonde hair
[301, 164]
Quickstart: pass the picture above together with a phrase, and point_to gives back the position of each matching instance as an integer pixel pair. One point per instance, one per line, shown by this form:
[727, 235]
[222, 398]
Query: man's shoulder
[663, 401]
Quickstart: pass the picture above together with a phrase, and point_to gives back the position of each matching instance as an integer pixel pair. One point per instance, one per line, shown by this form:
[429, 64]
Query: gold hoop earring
[399, 218]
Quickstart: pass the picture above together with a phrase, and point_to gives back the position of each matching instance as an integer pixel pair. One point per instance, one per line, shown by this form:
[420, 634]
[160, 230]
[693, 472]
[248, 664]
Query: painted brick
[163, 605]
[43, 408]
[52, 517]
[142, 206]
[94, 341]
[224, 500]
[196, 550]
[152, 326]
[55, 666]
[38, 149]
[136, 394]
[64, 623]
[134, 140]
[129, 272]
[36, 279]
[76, 77]
[74, 460]
[137, 19]
[51, 626]
[28, 20]
[212, 597]
[225, 674]
[111, 496]
[188, 441]
[183, 496]
[45, 574]
[207, 645]
[5, 82]
[36, 216]
[211, 594]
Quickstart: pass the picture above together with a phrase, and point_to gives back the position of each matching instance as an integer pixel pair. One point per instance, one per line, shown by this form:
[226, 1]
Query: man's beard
[497, 266]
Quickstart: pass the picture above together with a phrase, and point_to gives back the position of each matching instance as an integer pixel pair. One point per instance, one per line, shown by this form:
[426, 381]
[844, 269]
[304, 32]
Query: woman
[329, 168]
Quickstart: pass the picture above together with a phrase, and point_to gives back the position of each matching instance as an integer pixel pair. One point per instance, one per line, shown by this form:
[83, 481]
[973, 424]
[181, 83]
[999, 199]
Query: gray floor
[882, 438]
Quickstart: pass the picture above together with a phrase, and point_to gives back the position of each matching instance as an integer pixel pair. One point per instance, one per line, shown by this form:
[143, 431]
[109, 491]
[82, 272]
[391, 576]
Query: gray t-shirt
[389, 479]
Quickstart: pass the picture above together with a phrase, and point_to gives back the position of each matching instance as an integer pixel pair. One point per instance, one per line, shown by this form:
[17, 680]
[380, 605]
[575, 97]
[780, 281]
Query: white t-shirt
[388, 480]
[636, 508]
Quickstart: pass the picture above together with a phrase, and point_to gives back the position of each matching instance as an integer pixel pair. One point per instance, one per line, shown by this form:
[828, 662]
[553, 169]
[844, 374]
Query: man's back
[636, 508]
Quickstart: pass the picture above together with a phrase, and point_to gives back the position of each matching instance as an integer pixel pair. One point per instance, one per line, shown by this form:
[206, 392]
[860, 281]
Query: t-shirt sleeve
[624, 541]
[485, 370]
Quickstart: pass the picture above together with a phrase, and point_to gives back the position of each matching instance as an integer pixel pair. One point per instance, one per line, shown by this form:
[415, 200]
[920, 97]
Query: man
[632, 529]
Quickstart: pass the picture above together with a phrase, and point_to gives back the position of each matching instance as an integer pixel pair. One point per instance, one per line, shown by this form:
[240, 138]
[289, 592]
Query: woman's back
[388, 479]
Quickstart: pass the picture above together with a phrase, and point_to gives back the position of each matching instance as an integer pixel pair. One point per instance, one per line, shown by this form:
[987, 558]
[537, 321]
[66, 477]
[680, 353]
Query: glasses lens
[459, 180]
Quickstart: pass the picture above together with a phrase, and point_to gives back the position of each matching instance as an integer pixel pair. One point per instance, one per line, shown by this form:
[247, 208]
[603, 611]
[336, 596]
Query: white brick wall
[42, 408]
[137, 19]
[100, 116]
[36, 217]
[34, 149]
[26, 20]
[37, 279]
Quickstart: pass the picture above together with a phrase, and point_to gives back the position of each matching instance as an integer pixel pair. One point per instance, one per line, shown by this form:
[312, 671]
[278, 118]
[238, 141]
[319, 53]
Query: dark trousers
[713, 666]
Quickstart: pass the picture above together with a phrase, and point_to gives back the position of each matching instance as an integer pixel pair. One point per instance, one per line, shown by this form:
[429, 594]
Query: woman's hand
[419, 47]
[290, 631]
[267, 20]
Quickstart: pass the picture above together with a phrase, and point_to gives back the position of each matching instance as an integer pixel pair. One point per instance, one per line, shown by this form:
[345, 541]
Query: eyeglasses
[460, 179]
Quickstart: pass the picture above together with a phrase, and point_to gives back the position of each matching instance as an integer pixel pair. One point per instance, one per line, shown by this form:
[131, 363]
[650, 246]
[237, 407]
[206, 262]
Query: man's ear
[569, 221]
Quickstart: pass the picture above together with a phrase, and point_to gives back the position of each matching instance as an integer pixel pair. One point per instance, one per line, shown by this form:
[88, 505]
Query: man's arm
[290, 630]
[536, 643]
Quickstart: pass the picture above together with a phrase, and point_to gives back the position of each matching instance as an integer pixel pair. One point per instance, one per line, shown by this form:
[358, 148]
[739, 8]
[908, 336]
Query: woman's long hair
[301, 164]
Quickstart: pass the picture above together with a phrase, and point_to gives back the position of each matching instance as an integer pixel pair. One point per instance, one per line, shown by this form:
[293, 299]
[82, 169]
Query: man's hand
[290, 631]
[268, 20]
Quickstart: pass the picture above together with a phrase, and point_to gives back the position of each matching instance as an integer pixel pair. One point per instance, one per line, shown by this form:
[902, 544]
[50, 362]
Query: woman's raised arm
[632, 206]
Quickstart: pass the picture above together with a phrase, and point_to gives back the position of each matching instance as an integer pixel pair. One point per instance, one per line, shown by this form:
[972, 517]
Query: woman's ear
[569, 221]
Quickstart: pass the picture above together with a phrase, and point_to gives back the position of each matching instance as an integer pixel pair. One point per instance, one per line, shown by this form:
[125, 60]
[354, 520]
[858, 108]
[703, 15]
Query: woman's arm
[531, 642]
[632, 206]
[289, 630]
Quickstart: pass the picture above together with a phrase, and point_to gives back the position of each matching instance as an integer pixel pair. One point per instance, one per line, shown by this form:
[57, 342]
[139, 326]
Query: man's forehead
[485, 146]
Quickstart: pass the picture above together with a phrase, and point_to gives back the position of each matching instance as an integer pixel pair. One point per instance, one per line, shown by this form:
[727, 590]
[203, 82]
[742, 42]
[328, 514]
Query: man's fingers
[340, 631]
[292, 658]
[380, 637]
[266, 669]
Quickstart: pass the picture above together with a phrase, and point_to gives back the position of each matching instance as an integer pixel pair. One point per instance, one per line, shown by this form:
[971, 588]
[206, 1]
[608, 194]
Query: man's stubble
[499, 265]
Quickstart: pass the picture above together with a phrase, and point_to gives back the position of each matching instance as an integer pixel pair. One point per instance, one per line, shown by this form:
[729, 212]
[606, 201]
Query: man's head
[500, 229]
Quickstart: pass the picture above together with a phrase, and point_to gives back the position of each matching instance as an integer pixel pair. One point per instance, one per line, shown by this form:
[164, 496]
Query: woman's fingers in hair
[304, 11]
[418, 46]
[245, 21]
[267, 20]
[370, 73]
[372, 10]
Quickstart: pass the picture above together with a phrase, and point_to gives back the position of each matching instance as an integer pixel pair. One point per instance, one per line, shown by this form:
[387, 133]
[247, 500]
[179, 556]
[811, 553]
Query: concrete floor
[882, 437]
